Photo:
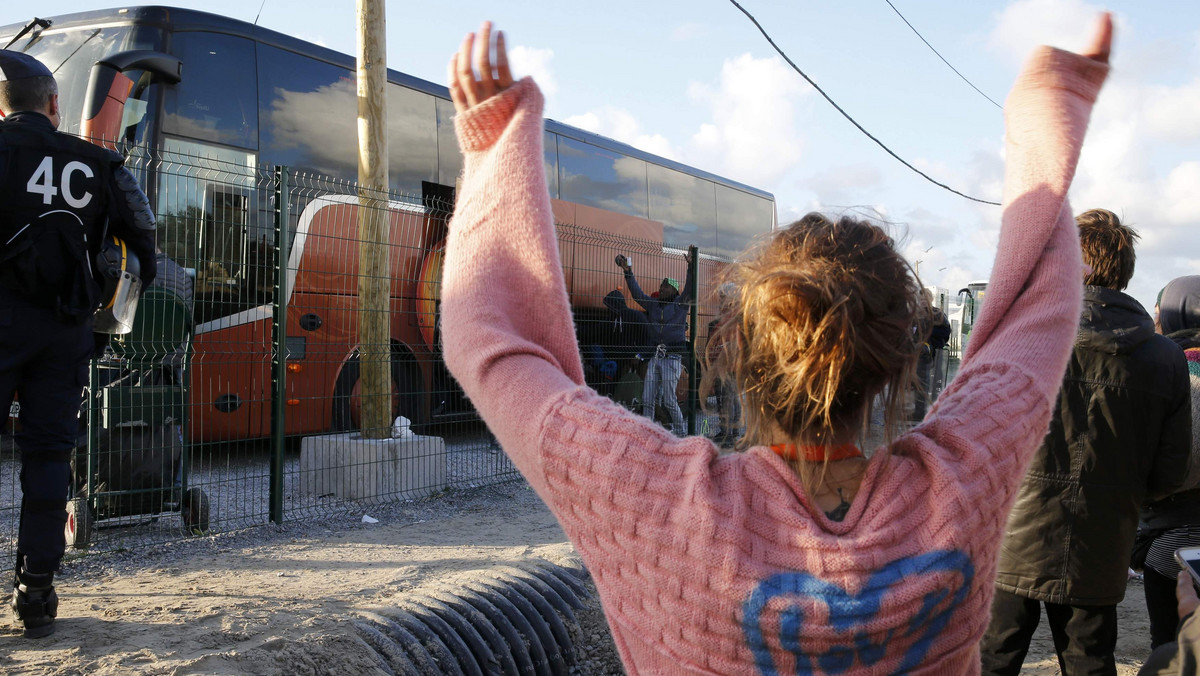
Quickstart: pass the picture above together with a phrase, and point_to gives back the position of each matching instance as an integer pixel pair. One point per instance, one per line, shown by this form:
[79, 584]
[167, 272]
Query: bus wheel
[407, 395]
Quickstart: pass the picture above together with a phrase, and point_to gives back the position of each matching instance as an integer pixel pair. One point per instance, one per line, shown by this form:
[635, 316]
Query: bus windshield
[70, 54]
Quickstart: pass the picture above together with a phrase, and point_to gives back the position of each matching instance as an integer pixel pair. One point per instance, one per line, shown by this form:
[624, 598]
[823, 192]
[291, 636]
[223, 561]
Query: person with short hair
[804, 552]
[1121, 434]
[57, 193]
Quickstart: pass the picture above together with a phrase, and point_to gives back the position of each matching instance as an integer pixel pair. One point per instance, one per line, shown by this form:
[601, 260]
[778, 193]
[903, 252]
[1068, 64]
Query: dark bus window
[70, 55]
[449, 159]
[550, 158]
[686, 206]
[310, 114]
[216, 101]
[740, 218]
[212, 219]
[601, 178]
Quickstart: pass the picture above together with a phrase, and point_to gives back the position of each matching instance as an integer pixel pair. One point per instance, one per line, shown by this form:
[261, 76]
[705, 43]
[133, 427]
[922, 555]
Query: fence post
[279, 343]
[93, 437]
[693, 283]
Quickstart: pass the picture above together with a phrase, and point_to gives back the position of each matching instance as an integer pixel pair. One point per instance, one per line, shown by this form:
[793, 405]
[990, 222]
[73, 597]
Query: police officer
[59, 196]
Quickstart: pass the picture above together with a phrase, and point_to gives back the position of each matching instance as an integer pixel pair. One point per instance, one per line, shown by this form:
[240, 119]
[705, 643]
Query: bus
[211, 104]
[970, 299]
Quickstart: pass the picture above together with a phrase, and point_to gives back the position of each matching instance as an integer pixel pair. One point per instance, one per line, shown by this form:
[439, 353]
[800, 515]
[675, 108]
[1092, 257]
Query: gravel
[237, 482]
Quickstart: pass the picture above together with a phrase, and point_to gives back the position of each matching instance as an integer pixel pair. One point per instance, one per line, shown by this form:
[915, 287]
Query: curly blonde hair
[820, 319]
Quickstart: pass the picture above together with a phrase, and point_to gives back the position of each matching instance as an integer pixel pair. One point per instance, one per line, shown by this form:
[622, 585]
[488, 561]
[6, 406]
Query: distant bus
[228, 99]
[970, 304]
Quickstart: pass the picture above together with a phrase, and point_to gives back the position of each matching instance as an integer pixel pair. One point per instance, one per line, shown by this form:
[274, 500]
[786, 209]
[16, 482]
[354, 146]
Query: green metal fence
[241, 405]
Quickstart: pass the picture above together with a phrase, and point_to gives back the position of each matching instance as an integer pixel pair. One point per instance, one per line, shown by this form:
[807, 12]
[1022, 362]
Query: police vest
[54, 196]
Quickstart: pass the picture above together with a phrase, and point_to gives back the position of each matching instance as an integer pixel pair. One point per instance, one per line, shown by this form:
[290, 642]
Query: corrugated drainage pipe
[514, 620]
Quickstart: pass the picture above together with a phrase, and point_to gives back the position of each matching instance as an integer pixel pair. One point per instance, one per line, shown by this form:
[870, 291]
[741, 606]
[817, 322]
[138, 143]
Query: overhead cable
[939, 55]
[846, 115]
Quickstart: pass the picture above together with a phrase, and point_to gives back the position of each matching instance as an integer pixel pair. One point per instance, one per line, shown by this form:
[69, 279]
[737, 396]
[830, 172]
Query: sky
[694, 80]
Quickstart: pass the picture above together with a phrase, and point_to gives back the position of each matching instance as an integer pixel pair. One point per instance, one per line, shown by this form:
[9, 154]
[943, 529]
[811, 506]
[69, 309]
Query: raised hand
[1101, 45]
[474, 83]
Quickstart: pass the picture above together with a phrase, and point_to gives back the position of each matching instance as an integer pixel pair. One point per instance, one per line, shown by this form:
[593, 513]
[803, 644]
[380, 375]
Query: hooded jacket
[627, 333]
[1182, 508]
[1120, 434]
[667, 320]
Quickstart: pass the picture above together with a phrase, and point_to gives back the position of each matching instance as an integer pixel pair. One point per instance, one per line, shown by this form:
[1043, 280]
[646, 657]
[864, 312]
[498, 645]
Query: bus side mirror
[108, 89]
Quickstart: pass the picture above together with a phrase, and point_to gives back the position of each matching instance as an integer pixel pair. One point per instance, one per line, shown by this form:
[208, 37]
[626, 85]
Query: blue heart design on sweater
[847, 611]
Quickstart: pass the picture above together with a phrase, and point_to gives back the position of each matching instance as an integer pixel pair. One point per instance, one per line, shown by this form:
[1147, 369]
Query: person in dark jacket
[626, 338]
[1180, 657]
[936, 329]
[1121, 433]
[667, 324]
[1174, 521]
[59, 195]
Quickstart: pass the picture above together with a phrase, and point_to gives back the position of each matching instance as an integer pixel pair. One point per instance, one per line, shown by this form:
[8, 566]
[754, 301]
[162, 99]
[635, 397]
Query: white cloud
[845, 184]
[621, 125]
[1026, 24]
[1139, 157]
[1171, 111]
[1182, 195]
[790, 213]
[954, 278]
[931, 228]
[747, 139]
[536, 63]
[752, 138]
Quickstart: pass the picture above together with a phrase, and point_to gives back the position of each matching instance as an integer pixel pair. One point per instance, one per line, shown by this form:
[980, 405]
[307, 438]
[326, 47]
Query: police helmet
[118, 271]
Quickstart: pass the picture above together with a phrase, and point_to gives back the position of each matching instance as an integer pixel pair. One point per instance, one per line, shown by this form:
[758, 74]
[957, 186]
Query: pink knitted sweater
[709, 564]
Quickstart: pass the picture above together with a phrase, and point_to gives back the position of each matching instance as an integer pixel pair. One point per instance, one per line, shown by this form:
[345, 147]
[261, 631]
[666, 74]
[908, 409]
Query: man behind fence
[57, 193]
[667, 326]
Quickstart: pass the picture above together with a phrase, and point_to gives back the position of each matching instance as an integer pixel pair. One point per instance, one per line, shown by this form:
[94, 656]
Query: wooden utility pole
[374, 277]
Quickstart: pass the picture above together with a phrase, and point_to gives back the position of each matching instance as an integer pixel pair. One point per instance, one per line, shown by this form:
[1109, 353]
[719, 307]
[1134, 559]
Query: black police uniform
[59, 195]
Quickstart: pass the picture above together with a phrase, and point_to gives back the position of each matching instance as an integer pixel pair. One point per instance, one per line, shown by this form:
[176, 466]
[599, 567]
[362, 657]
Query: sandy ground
[276, 600]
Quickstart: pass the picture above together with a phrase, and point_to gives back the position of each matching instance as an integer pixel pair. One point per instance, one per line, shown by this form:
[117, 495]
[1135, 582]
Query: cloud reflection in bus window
[686, 206]
[601, 178]
[311, 111]
[207, 104]
[741, 217]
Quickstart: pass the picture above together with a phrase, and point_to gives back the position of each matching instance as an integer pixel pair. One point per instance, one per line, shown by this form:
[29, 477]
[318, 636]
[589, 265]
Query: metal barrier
[237, 401]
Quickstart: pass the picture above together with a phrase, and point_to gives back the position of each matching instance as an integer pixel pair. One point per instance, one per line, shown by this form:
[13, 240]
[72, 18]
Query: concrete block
[353, 468]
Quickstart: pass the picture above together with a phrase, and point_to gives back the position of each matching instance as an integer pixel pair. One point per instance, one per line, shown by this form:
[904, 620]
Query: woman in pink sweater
[709, 563]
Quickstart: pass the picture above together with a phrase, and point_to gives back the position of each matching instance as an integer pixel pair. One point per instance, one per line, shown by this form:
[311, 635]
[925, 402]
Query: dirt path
[274, 600]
